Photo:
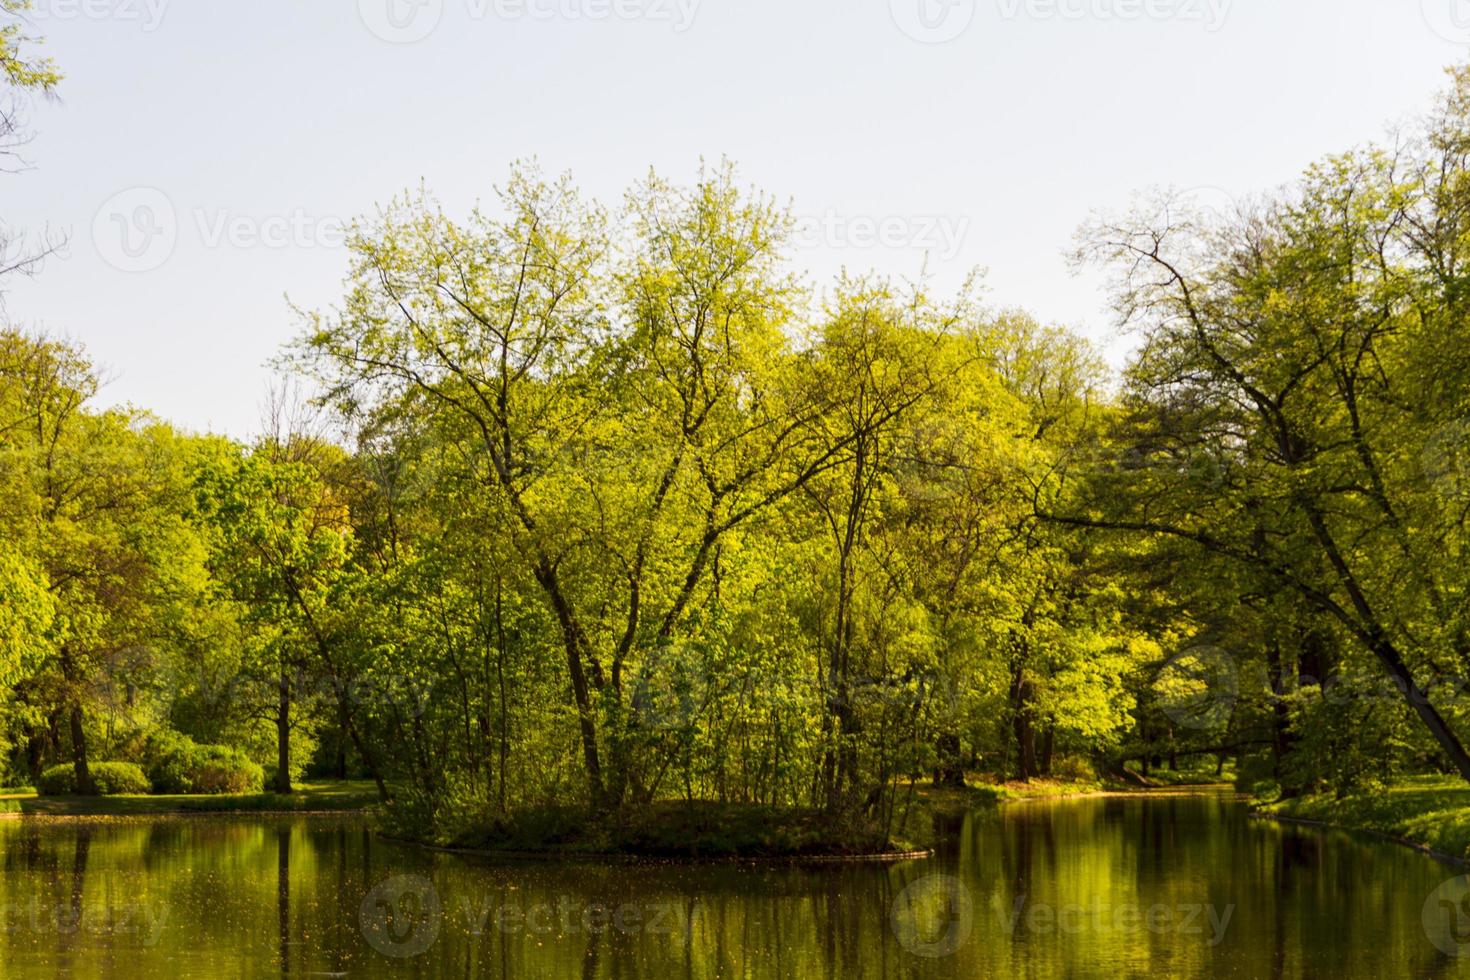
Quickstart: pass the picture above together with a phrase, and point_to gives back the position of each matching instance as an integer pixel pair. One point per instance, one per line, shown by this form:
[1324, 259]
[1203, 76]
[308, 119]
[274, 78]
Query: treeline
[595, 508]
[619, 518]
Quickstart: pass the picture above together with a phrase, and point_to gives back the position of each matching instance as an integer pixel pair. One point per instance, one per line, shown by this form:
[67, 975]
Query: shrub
[1074, 769]
[111, 778]
[180, 766]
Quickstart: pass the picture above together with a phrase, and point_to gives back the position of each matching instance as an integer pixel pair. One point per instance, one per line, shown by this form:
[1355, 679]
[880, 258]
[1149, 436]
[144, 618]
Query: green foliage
[20, 68]
[111, 779]
[178, 765]
[27, 618]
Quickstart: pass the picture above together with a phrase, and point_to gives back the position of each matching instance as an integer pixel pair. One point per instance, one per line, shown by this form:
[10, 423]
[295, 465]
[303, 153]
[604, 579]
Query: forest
[575, 508]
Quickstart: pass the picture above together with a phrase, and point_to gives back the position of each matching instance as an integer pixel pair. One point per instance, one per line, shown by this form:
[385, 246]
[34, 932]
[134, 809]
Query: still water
[1116, 887]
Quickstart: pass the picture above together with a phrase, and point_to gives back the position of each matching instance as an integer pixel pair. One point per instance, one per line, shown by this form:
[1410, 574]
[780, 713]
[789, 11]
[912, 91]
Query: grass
[1432, 811]
[332, 796]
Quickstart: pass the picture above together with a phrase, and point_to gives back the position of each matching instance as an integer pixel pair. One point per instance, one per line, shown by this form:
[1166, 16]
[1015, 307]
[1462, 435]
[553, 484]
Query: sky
[203, 157]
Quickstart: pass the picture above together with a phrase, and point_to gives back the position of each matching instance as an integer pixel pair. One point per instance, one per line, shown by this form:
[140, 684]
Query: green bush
[111, 778]
[180, 766]
[1074, 769]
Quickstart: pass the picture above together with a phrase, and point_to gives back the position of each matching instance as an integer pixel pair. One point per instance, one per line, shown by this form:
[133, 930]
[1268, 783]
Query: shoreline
[593, 857]
[17, 816]
[1203, 789]
[309, 797]
[1443, 856]
[941, 802]
[1430, 814]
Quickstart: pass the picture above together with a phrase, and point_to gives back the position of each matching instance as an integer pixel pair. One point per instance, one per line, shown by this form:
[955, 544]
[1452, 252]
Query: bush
[182, 767]
[1074, 769]
[111, 778]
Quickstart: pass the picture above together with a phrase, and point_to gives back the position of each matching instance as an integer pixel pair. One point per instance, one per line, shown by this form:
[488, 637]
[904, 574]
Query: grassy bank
[1431, 811]
[708, 830]
[951, 800]
[678, 830]
[309, 797]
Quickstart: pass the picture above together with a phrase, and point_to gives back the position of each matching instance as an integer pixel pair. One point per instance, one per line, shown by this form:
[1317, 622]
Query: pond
[1107, 887]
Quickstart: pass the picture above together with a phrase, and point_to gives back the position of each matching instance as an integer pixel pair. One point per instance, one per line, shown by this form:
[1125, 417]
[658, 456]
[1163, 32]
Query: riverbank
[709, 831]
[681, 831]
[954, 801]
[1430, 813]
[310, 797]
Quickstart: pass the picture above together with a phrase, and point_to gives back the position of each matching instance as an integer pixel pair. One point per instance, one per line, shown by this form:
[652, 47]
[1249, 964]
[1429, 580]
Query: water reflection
[1091, 888]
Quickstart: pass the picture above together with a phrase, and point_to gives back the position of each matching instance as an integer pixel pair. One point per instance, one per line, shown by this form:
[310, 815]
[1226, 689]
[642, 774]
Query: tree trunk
[1276, 674]
[1371, 629]
[85, 785]
[573, 642]
[283, 733]
[951, 768]
[1021, 727]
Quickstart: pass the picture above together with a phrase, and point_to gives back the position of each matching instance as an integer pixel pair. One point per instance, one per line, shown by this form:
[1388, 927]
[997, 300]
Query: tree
[1272, 402]
[21, 73]
[281, 543]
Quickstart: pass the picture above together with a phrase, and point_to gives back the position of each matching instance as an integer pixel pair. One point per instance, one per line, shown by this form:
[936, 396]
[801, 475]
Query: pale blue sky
[984, 132]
